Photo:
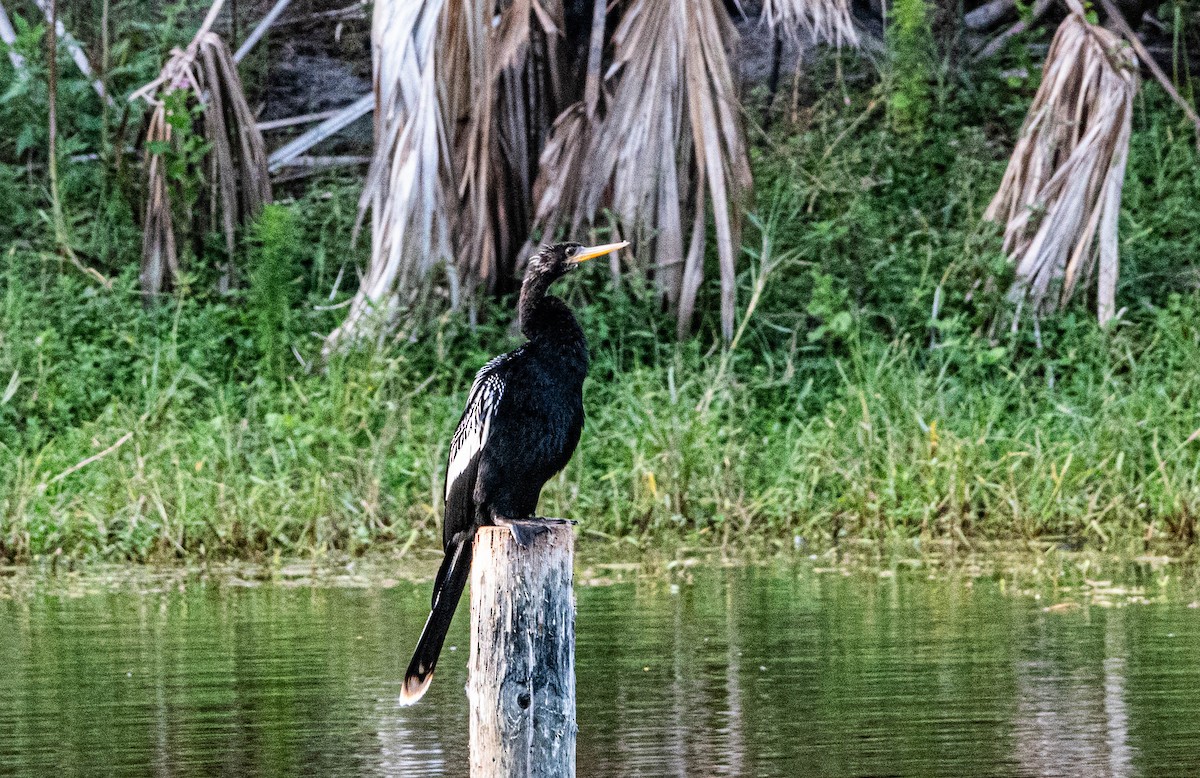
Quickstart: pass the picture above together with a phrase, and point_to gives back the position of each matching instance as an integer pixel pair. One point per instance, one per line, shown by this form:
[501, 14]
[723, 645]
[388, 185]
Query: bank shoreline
[1042, 570]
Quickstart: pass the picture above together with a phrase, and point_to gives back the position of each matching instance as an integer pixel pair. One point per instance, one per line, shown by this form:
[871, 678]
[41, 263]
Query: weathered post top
[522, 668]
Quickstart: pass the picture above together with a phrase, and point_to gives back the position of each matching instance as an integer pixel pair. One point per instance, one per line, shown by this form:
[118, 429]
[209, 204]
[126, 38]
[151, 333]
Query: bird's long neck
[547, 321]
[529, 308]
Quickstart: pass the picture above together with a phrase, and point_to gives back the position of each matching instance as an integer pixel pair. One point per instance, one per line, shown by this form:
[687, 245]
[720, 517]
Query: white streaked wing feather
[476, 424]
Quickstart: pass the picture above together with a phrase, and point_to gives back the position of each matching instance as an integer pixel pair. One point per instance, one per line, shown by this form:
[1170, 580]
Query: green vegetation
[912, 53]
[270, 293]
[861, 398]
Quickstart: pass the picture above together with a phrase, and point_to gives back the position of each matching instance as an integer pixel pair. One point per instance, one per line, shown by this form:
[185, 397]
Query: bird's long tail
[447, 589]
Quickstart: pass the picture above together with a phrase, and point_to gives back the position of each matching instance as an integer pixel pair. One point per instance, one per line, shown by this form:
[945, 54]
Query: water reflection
[741, 673]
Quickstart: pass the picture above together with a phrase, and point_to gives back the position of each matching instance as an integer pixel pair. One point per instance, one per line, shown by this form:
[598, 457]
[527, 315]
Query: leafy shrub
[911, 58]
[271, 294]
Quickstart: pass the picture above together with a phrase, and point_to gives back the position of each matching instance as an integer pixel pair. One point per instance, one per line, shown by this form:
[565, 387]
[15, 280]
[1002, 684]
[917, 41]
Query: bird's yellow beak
[597, 251]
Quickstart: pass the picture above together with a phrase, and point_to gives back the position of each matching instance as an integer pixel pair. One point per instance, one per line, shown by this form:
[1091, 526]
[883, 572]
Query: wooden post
[522, 669]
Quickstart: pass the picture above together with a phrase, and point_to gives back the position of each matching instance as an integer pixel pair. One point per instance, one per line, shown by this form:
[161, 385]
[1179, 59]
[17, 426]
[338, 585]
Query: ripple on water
[739, 672]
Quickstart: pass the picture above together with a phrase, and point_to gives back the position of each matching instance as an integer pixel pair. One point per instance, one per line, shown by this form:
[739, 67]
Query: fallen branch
[69, 40]
[1118, 18]
[261, 29]
[986, 15]
[334, 124]
[9, 36]
[327, 161]
[996, 45]
[292, 121]
[356, 12]
[307, 166]
[94, 458]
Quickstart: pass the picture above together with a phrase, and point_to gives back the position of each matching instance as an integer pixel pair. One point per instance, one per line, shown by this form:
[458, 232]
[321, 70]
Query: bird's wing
[476, 423]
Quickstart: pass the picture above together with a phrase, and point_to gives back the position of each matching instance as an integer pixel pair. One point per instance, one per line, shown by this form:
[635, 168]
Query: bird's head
[555, 261]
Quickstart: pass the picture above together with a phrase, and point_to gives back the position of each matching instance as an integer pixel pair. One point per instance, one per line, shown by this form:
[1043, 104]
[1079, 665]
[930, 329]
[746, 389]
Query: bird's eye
[572, 251]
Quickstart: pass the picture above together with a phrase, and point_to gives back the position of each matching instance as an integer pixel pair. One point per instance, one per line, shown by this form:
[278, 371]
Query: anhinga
[522, 422]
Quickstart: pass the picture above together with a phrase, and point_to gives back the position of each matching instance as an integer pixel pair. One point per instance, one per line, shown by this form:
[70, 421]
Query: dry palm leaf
[1061, 194]
[466, 92]
[514, 95]
[560, 188]
[466, 106]
[669, 146]
[160, 258]
[406, 188]
[235, 162]
[829, 21]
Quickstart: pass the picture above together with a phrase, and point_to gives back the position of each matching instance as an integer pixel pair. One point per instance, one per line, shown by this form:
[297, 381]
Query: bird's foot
[525, 531]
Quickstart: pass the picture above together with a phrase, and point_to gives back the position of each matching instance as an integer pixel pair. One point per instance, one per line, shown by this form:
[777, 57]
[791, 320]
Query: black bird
[521, 424]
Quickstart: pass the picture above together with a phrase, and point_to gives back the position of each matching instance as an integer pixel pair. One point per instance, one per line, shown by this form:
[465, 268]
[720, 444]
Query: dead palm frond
[406, 184]
[561, 190]
[465, 98]
[669, 145]
[234, 163]
[474, 149]
[827, 21]
[514, 95]
[160, 257]
[1061, 194]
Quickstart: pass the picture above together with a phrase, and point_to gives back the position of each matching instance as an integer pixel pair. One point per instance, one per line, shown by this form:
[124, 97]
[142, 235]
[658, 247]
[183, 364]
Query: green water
[735, 672]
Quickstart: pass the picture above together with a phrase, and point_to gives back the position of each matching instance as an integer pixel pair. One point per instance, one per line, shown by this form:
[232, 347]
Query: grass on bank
[355, 458]
[859, 401]
[888, 441]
